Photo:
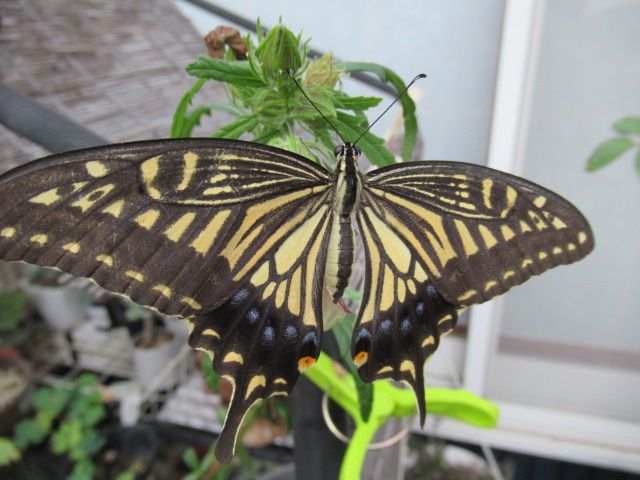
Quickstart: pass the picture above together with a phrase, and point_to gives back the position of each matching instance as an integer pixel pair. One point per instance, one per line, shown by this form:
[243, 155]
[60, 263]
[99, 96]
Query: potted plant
[61, 307]
[66, 418]
[154, 347]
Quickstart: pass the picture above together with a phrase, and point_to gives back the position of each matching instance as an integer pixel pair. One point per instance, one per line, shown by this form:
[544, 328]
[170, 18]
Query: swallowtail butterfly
[246, 242]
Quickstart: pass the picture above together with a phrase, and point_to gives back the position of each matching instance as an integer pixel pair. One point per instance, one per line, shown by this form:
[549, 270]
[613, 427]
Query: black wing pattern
[441, 236]
[198, 228]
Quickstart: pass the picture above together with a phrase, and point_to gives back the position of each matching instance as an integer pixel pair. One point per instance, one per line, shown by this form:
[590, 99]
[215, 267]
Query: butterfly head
[346, 150]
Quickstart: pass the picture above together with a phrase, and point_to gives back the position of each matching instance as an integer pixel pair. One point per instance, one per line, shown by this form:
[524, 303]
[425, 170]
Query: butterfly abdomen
[346, 197]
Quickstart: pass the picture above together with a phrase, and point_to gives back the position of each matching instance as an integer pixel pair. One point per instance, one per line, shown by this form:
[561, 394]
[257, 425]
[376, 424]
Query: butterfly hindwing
[270, 329]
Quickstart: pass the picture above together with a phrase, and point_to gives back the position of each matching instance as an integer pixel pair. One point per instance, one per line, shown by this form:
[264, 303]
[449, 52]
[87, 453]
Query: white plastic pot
[62, 308]
[150, 364]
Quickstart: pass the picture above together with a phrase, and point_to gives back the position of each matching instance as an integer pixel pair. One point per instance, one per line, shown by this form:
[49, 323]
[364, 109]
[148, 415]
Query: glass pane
[570, 337]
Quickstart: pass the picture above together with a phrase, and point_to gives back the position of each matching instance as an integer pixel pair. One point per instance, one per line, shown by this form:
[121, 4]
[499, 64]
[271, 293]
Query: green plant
[269, 108]
[68, 417]
[13, 311]
[628, 138]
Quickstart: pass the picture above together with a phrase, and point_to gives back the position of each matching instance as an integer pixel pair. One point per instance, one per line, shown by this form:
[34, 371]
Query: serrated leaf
[235, 129]
[628, 125]
[607, 152]
[371, 145]
[408, 106]
[237, 73]
[355, 103]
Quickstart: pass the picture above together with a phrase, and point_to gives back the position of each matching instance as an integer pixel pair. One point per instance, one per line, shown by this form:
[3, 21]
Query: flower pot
[150, 362]
[62, 308]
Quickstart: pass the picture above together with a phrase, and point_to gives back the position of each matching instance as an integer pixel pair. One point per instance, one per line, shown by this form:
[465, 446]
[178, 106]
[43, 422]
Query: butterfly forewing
[478, 231]
[230, 235]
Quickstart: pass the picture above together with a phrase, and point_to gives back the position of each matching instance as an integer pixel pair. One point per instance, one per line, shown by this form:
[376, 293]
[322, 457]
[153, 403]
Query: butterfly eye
[356, 151]
[338, 150]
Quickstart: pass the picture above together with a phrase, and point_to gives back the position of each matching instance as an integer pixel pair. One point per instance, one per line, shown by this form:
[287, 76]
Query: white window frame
[585, 439]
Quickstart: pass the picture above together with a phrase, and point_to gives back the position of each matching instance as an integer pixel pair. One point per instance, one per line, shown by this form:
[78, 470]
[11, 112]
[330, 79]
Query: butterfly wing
[447, 235]
[228, 234]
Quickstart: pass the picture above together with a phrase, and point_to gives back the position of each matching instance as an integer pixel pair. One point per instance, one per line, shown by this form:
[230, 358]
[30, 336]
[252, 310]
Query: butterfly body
[243, 240]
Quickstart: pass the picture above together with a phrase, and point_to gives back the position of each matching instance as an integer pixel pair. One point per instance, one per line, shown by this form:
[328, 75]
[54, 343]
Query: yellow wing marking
[401, 290]
[269, 290]
[412, 286]
[255, 382]
[489, 285]
[512, 196]
[148, 219]
[445, 319]
[149, 170]
[526, 262]
[46, 198]
[207, 236]
[88, 200]
[542, 255]
[558, 224]
[537, 220]
[96, 169]
[374, 264]
[487, 185]
[218, 190]
[280, 381]
[397, 251]
[71, 247]
[164, 290]
[467, 295]
[385, 369]
[430, 340]
[524, 227]
[539, 201]
[115, 209]
[582, 237]
[408, 366]
[210, 332]
[487, 237]
[191, 302]
[507, 274]
[106, 259]
[571, 247]
[468, 244]
[135, 275]
[387, 296]
[295, 291]
[233, 357]
[308, 314]
[261, 275]
[40, 238]
[8, 232]
[287, 254]
[175, 231]
[281, 294]
[507, 233]
[190, 162]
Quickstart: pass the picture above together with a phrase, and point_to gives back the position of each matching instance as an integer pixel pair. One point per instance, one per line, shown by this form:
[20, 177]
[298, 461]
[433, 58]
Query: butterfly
[251, 245]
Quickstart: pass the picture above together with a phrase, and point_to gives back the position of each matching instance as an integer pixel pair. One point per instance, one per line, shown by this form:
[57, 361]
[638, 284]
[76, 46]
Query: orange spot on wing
[361, 358]
[306, 362]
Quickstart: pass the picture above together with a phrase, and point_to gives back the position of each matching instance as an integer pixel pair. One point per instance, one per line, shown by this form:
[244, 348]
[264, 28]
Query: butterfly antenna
[415, 79]
[314, 106]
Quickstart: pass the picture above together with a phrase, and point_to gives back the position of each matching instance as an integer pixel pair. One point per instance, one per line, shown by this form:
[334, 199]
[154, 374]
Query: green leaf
[193, 119]
[51, 400]
[93, 414]
[279, 52]
[235, 129]
[408, 106]
[29, 432]
[355, 103]
[628, 125]
[180, 117]
[342, 331]
[92, 442]
[68, 436]
[8, 452]
[190, 458]
[237, 73]
[372, 146]
[211, 377]
[82, 470]
[13, 309]
[607, 152]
